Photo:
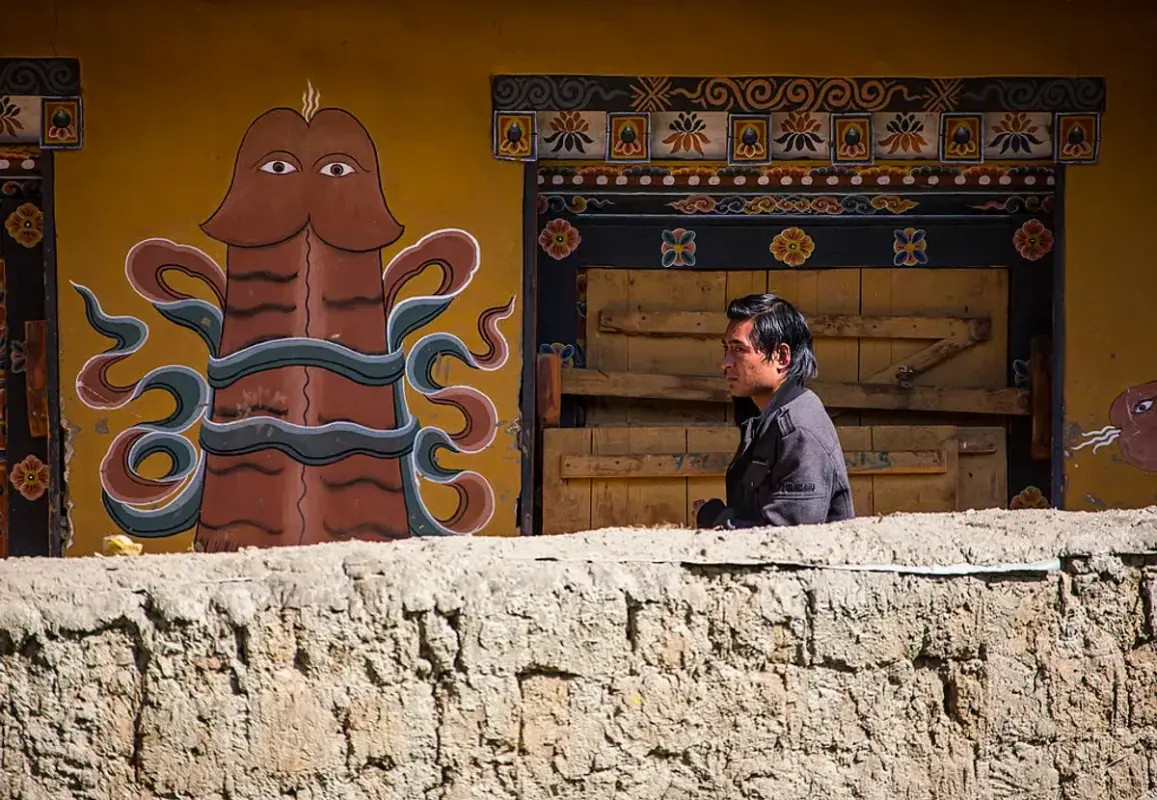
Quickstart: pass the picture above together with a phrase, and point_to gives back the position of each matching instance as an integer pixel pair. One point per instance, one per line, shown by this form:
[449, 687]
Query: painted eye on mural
[1144, 406]
[337, 169]
[278, 167]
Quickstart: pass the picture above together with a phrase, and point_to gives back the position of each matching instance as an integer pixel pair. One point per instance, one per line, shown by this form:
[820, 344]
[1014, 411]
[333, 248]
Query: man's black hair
[775, 321]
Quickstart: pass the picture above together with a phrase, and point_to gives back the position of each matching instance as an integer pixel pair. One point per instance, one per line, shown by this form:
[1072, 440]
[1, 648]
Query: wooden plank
[548, 389]
[831, 292]
[957, 293]
[1040, 373]
[36, 376]
[705, 465]
[720, 440]
[566, 505]
[711, 325]
[917, 493]
[906, 369]
[983, 468]
[863, 498]
[605, 383]
[980, 440]
[594, 383]
[610, 503]
[895, 462]
[675, 291]
[606, 351]
[657, 501]
[686, 465]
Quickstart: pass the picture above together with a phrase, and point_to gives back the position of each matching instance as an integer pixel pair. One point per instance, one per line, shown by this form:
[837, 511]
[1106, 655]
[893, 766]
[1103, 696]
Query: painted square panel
[797, 135]
[514, 135]
[1017, 135]
[852, 139]
[903, 135]
[747, 139]
[61, 123]
[572, 135]
[1078, 138]
[19, 119]
[689, 135]
[961, 138]
[628, 137]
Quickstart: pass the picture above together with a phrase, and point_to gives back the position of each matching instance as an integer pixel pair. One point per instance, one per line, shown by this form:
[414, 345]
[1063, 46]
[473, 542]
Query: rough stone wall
[641, 664]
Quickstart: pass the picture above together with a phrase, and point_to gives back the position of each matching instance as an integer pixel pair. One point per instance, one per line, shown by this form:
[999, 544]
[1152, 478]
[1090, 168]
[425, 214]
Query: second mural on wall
[305, 434]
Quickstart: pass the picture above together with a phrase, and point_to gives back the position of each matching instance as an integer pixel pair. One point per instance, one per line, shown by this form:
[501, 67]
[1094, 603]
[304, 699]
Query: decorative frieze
[40, 103]
[841, 121]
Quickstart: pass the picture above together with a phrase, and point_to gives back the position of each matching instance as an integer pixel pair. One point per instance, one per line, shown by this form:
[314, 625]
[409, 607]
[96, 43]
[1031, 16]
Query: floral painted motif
[26, 225]
[1015, 132]
[1030, 497]
[514, 139]
[1020, 376]
[792, 246]
[687, 134]
[1033, 240]
[566, 352]
[853, 138]
[678, 248]
[581, 294]
[569, 133]
[1077, 134]
[10, 123]
[559, 239]
[749, 144]
[905, 135]
[629, 136]
[16, 361]
[800, 131]
[910, 247]
[962, 137]
[30, 478]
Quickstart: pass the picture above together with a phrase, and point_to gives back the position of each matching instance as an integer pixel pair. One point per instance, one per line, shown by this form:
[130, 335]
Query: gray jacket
[789, 469]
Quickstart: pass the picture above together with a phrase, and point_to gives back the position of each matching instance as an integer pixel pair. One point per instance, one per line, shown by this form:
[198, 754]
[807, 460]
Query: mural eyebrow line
[352, 158]
[233, 413]
[264, 275]
[250, 522]
[362, 480]
[244, 312]
[361, 527]
[353, 301]
[243, 466]
[283, 155]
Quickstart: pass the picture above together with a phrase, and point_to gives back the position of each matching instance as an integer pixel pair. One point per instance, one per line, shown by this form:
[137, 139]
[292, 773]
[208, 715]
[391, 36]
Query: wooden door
[609, 476]
[910, 362]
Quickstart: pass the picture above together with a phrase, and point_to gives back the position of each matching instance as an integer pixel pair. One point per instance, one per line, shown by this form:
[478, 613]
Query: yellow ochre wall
[169, 89]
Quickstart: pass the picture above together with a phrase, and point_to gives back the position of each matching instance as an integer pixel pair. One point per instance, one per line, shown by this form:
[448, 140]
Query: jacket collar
[756, 426]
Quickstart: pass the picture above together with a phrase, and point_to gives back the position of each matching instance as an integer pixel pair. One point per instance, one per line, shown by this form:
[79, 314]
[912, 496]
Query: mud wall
[846, 661]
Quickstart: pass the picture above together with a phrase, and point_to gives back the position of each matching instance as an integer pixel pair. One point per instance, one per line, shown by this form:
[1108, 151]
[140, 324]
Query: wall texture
[160, 142]
[650, 664]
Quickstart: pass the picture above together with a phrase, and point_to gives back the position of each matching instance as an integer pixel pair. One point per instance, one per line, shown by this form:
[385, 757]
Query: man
[789, 469]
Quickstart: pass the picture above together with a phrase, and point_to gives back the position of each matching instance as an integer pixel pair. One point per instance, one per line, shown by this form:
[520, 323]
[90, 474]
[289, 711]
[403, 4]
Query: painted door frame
[49, 79]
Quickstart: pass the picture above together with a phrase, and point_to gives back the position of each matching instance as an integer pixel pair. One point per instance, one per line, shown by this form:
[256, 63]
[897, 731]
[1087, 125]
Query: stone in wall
[811, 662]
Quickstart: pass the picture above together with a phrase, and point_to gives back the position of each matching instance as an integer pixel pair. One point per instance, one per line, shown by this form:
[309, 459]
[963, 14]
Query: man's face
[748, 373]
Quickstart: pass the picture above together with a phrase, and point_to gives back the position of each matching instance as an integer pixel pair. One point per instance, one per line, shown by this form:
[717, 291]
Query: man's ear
[783, 356]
